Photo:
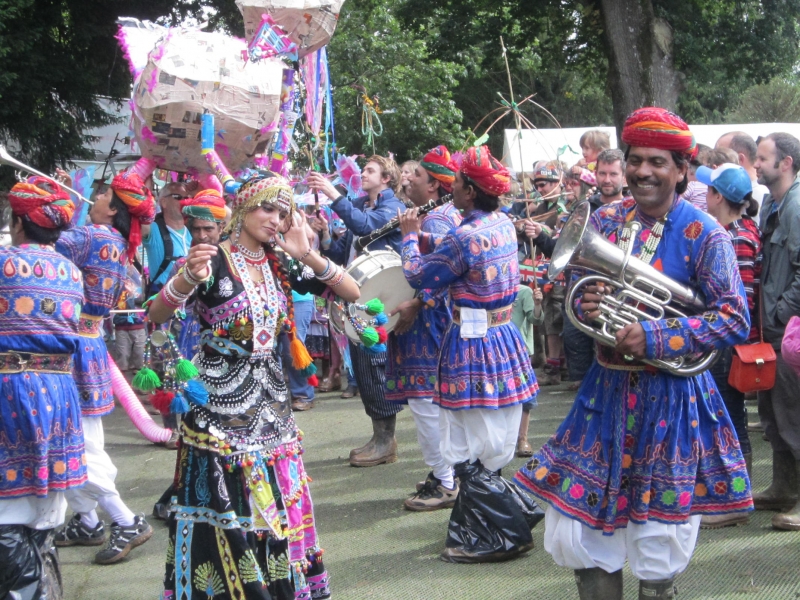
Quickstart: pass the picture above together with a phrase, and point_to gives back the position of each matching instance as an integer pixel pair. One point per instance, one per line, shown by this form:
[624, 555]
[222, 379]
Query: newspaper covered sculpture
[193, 72]
[309, 23]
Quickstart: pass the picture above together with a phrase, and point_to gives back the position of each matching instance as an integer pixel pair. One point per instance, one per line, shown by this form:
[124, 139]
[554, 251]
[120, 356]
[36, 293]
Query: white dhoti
[100, 487]
[34, 512]
[653, 550]
[426, 417]
[480, 434]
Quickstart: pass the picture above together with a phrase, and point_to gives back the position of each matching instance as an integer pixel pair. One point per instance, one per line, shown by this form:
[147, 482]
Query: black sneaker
[75, 533]
[123, 539]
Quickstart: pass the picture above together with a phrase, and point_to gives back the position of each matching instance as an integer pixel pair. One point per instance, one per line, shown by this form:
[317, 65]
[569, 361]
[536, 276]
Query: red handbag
[753, 366]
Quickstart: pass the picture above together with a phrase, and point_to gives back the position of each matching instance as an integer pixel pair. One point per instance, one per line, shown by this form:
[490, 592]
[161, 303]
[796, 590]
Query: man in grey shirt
[777, 164]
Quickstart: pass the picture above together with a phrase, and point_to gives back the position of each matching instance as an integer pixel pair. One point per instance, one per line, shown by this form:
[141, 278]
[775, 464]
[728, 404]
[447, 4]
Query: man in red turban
[41, 436]
[622, 475]
[483, 375]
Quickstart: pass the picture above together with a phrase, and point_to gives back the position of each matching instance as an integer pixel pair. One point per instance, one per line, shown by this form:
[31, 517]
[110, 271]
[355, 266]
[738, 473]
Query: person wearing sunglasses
[167, 239]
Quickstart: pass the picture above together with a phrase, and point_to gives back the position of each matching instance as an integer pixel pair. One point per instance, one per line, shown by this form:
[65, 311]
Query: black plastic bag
[28, 564]
[491, 517]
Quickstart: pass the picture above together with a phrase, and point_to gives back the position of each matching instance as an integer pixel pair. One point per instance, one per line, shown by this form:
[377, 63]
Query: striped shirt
[746, 240]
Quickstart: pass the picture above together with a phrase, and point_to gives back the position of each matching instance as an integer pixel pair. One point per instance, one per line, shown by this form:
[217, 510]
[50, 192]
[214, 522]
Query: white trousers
[100, 487]
[34, 512]
[480, 434]
[654, 550]
[426, 417]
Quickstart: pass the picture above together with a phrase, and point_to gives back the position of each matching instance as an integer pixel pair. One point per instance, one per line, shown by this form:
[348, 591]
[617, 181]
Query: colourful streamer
[270, 40]
[82, 180]
[229, 184]
[349, 171]
[371, 126]
[288, 118]
[330, 131]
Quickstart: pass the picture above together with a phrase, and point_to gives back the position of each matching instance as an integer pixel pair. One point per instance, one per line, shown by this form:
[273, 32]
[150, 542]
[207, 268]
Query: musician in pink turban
[644, 453]
[483, 376]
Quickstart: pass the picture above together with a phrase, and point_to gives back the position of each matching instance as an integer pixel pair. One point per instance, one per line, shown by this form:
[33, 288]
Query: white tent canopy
[545, 144]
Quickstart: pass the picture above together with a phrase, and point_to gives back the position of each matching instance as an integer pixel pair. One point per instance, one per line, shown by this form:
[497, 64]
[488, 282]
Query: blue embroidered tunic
[639, 443]
[41, 439]
[413, 357]
[99, 252]
[478, 263]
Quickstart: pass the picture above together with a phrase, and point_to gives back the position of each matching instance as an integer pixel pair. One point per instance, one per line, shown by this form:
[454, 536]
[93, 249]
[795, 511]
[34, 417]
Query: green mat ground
[376, 550]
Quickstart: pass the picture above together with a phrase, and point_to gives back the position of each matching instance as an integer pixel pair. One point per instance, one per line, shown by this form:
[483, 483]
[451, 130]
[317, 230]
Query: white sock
[90, 519]
[116, 509]
[446, 478]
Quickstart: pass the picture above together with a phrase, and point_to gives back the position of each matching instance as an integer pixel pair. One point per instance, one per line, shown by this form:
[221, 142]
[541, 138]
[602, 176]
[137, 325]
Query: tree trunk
[640, 69]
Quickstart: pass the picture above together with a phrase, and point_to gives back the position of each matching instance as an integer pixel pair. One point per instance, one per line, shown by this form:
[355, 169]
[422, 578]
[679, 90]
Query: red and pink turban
[653, 127]
[130, 188]
[487, 173]
[43, 201]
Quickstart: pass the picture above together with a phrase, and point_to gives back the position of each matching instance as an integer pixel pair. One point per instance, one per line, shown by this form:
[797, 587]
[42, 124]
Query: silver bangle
[191, 280]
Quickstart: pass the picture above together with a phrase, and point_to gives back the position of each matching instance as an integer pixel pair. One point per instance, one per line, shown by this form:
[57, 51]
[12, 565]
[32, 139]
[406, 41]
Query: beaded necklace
[261, 298]
[648, 250]
[259, 255]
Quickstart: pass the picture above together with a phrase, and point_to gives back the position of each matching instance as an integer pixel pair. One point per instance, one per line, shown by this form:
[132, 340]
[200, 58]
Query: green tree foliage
[370, 49]
[558, 51]
[551, 51]
[723, 47]
[777, 101]
[57, 56]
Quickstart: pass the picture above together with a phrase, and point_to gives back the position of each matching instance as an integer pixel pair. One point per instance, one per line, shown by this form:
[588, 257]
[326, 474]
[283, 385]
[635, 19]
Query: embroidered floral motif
[170, 551]
[693, 230]
[225, 287]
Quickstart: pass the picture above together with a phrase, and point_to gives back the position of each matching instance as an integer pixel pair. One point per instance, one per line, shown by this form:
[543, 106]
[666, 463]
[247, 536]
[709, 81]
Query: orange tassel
[300, 356]
[313, 381]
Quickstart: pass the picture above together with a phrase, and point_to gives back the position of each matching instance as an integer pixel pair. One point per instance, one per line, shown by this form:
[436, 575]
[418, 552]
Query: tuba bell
[636, 290]
[23, 171]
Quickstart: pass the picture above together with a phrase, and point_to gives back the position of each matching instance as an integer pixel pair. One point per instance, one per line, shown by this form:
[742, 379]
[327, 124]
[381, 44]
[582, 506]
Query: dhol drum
[379, 275]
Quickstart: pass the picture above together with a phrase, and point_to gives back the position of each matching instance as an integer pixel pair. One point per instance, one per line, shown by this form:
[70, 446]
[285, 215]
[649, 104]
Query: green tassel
[369, 337]
[185, 370]
[374, 306]
[146, 380]
[309, 370]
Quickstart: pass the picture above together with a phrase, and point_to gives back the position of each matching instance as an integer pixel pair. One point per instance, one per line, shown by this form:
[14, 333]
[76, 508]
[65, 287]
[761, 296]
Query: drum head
[390, 286]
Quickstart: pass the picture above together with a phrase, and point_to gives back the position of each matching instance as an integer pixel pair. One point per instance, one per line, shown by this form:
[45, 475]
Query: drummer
[380, 179]
[413, 351]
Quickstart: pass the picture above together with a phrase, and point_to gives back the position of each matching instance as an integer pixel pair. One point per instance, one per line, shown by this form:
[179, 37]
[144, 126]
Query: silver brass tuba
[638, 291]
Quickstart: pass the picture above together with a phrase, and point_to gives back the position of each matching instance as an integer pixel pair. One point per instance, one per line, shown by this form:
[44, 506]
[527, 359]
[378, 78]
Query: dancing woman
[244, 523]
